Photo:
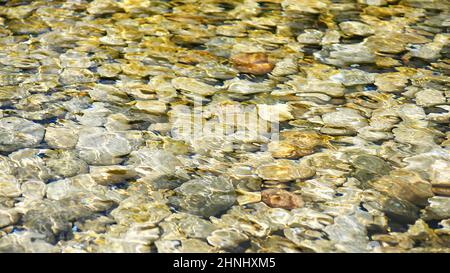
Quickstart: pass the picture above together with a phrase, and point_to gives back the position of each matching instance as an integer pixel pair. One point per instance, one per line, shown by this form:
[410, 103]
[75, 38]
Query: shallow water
[224, 126]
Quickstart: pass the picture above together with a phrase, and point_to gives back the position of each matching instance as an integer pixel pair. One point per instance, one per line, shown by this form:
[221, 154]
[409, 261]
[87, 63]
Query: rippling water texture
[224, 126]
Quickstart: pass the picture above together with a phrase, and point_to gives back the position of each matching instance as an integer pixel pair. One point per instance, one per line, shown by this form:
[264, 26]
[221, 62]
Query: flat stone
[17, 133]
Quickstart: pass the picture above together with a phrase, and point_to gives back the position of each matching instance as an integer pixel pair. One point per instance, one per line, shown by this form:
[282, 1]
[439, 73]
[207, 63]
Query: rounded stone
[17, 133]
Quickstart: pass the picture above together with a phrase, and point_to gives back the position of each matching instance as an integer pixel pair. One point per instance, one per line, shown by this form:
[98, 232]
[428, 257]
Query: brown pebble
[444, 191]
[279, 198]
[253, 63]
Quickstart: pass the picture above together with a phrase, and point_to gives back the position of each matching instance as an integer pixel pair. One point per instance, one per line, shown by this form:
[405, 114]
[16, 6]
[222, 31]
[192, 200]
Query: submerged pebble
[17, 133]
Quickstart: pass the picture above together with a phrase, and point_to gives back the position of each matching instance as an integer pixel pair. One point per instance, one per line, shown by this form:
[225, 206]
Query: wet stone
[278, 198]
[33, 189]
[284, 171]
[437, 209]
[193, 86]
[253, 63]
[103, 148]
[429, 97]
[17, 133]
[354, 28]
[8, 217]
[354, 77]
[26, 241]
[9, 186]
[61, 137]
[206, 197]
[405, 185]
[344, 55]
[369, 167]
[348, 233]
[227, 238]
